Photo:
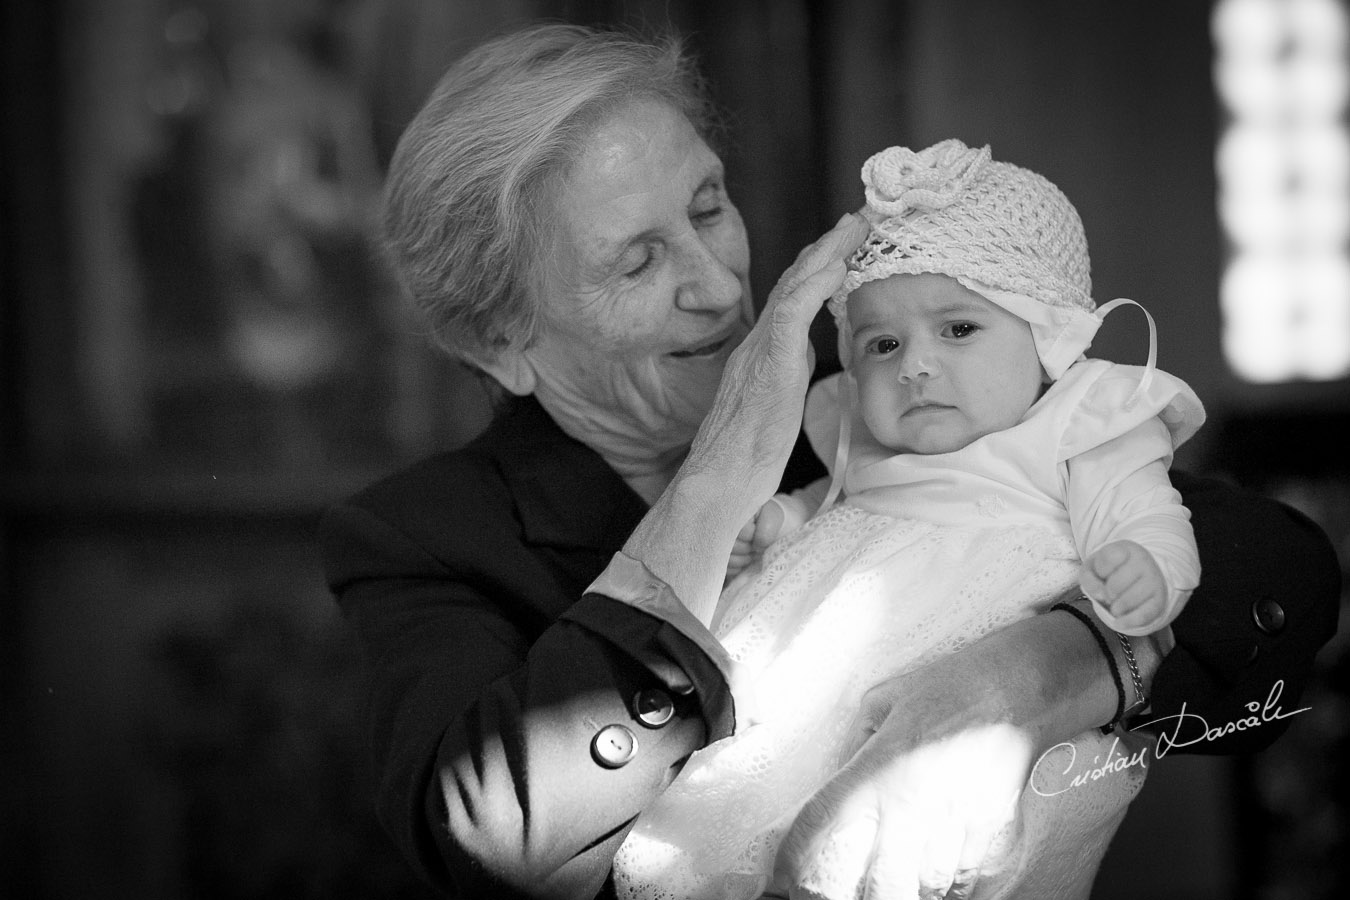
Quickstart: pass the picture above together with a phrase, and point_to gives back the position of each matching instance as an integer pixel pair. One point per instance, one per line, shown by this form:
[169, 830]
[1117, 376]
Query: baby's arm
[1133, 533]
[761, 531]
[780, 514]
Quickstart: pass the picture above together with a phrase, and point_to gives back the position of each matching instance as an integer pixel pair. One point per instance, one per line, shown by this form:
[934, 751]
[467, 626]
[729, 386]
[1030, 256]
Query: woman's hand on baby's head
[1125, 582]
[746, 437]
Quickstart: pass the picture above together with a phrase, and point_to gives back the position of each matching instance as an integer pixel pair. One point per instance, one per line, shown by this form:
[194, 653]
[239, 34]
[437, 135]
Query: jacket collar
[566, 495]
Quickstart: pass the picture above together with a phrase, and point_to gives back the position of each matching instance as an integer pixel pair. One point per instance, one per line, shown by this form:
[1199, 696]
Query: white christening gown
[855, 596]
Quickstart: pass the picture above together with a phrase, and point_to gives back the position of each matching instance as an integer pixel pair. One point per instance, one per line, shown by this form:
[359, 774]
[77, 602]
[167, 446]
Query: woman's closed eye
[637, 260]
[704, 217]
[641, 257]
[708, 204]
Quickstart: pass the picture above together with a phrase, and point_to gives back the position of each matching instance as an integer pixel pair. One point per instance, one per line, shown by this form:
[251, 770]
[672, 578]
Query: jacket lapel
[566, 496]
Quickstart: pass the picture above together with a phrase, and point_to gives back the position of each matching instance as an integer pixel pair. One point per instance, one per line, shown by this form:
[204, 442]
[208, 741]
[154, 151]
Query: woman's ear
[511, 369]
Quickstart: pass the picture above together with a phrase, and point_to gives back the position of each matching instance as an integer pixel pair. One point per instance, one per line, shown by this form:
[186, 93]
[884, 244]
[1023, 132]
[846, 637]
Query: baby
[984, 466]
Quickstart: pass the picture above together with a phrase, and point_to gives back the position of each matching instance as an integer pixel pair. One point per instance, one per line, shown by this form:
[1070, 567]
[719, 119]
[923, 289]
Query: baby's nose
[916, 367]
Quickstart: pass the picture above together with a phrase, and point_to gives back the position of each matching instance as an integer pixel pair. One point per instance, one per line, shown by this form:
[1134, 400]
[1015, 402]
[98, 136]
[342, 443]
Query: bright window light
[1283, 166]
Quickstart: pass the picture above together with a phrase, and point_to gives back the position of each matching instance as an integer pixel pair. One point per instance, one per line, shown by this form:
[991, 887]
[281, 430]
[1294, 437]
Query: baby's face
[937, 365]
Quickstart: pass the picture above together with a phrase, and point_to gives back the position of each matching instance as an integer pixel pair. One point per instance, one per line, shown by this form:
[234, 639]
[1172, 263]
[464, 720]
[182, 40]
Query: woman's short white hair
[469, 186]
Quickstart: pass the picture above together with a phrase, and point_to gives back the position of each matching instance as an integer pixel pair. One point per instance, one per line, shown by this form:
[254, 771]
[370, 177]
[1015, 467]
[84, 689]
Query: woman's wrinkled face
[937, 365]
[647, 288]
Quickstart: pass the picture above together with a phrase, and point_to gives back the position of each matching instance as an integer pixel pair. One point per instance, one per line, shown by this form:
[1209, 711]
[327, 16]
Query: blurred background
[200, 349]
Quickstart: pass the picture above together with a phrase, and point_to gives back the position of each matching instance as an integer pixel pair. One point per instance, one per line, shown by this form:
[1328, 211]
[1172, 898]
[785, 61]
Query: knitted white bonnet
[1002, 231]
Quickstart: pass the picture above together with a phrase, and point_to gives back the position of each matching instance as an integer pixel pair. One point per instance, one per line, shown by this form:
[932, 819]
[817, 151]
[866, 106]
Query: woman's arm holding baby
[950, 746]
[943, 753]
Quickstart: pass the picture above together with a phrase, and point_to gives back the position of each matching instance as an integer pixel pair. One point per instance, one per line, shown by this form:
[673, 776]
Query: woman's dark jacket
[492, 678]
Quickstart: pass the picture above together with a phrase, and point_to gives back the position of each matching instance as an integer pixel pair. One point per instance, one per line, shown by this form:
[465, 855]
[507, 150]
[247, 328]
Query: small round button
[613, 746]
[654, 707]
[1268, 615]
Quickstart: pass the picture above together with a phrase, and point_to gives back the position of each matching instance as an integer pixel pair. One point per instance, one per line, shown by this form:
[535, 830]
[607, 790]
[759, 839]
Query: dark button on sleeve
[1268, 615]
[613, 746]
[653, 707]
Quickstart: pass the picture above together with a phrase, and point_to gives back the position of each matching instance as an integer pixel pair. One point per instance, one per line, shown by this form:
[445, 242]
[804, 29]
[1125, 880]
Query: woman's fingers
[939, 802]
[841, 240]
[942, 846]
[776, 356]
[850, 835]
[979, 839]
[794, 311]
[896, 865]
[928, 855]
[840, 800]
[832, 842]
[835, 246]
[898, 851]
[784, 325]
[814, 253]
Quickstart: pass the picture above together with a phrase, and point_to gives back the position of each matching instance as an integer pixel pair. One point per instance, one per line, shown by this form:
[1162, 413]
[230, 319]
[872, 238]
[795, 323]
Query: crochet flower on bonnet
[1002, 231]
[897, 179]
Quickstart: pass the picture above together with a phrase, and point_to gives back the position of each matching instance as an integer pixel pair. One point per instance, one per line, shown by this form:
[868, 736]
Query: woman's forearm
[963, 735]
[686, 538]
[1062, 685]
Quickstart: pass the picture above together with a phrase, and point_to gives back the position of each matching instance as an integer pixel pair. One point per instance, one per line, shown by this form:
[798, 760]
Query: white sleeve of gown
[1119, 490]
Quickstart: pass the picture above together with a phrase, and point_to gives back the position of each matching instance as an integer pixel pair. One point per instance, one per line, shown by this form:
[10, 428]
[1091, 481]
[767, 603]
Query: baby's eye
[962, 329]
[882, 346]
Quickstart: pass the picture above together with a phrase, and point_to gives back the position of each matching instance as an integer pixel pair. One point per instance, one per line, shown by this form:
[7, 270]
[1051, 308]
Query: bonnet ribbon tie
[1149, 366]
[846, 391]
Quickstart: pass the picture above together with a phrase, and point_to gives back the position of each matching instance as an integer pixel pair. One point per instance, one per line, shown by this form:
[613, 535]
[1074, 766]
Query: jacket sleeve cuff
[676, 639]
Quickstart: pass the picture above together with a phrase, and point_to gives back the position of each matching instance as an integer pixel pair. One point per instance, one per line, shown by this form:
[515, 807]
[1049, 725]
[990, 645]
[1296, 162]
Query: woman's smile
[728, 340]
[705, 350]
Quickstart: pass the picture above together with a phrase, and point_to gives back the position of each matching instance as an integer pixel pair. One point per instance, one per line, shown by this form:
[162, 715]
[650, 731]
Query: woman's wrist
[1136, 658]
[1123, 670]
[686, 537]
[1062, 685]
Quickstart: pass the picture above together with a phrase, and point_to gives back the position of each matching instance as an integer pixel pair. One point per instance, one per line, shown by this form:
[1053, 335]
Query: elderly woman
[534, 606]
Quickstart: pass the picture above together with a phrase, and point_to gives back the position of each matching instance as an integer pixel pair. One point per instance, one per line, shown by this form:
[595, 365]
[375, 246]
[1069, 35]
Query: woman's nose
[709, 284]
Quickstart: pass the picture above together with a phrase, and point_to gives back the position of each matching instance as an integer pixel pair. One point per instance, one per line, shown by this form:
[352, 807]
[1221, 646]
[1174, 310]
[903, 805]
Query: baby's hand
[754, 538]
[1125, 583]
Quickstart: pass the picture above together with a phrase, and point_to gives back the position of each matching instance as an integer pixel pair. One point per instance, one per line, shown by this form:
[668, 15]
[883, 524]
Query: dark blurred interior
[200, 349]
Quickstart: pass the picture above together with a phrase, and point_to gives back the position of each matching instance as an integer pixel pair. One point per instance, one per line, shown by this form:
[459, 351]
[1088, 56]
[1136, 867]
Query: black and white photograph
[675, 449]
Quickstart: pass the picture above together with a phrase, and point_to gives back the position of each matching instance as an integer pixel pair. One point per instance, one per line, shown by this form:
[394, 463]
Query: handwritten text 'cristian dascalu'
[1195, 729]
